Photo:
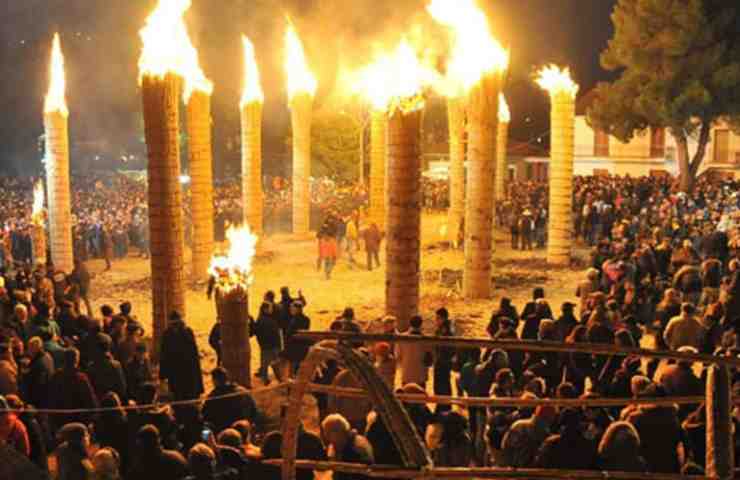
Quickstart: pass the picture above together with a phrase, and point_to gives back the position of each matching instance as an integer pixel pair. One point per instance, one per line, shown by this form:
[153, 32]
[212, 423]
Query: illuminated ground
[294, 265]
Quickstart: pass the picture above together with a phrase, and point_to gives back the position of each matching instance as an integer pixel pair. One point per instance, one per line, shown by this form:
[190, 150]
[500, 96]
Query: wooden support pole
[201, 181]
[160, 97]
[456, 124]
[38, 244]
[403, 245]
[378, 150]
[560, 225]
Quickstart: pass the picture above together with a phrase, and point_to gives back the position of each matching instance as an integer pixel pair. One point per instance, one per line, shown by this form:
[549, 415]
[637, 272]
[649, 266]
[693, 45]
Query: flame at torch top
[504, 114]
[300, 77]
[235, 268]
[168, 49]
[475, 52]
[252, 87]
[55, 101]
[557, 81]
[37, 214]
[395, 80]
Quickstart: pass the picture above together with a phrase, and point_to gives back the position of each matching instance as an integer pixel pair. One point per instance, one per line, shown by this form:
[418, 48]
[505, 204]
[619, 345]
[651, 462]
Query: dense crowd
[664, 266]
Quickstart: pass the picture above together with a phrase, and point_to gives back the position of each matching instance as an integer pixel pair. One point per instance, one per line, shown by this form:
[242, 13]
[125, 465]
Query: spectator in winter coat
[373, 237]
[138, 371]
[153, 460]
[8, 371]
[72, 455]
[505, 310]
[71, 389]
[413, 359]
[619, 449]
[684, 330]
[238, 404]
[12, 430]
[36, 433]
[38, 377]
[449, 441]
[345, 445]
[524, 439]
[569, 449]
[179, 360]
[106, 373]
[267, 331]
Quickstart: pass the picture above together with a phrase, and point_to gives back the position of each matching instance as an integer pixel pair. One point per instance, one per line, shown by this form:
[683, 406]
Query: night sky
[101, 46]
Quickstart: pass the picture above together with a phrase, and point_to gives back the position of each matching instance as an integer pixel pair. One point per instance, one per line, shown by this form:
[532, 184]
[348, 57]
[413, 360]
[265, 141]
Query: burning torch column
[160, 68]
[456, 124]
[301, 90]
[233, 276]
[38, 231]
[502, 140]
[201, 178]
[378, 158]
[251, 122]
[57, 165]
[404, 217]
[562, 92]
[483, 108]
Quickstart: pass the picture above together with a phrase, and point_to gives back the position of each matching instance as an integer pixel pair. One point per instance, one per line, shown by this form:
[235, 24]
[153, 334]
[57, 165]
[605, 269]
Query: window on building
[722, 146]
[601, 144]
[657, 143]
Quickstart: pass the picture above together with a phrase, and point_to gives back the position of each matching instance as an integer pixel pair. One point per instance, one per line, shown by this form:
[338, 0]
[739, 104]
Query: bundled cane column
[378, 159]
[198, 92]
[251, 122]
[502, 141]
[57, 165]
[456, 106]
[161, 68]
[38, 230]
[301, 90]
[475, 67]
[563, 93]
[232, 274]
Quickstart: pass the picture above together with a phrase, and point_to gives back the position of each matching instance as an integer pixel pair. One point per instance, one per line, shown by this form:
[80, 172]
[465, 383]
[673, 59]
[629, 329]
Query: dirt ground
[294, 265]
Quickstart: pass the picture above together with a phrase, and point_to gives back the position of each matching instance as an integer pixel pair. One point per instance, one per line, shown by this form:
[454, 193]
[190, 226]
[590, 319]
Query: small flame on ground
[504, 114]
[37, 214]
[55, 100]
[556, 81]
[395, 80]
[168, 49]
[235, 267]
[252, 86]
[300, 77]
[475, 51]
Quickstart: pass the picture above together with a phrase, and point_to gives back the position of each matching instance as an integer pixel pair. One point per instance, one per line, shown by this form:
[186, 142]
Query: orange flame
[235, 268]
[252, 87]
[168, 49]
[475, 51]
[55, 101]
[504, 114]
[37, 214]
[395, 80]
[557, 81]
[300, 77]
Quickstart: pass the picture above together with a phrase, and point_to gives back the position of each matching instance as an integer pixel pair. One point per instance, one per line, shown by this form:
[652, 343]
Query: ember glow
[504, 114]
[557, 81]
[168, 49]
[395, 80]
[252, 86]
[55, 100]
[475, 51]
[37, 215]
[300, 78]
[235, 268]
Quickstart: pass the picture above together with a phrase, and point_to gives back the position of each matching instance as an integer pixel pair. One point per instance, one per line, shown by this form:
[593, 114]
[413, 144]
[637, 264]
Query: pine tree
[679, 68]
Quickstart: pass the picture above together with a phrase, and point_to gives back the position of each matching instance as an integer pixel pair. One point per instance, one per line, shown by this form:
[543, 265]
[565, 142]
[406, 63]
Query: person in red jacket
[12, 430]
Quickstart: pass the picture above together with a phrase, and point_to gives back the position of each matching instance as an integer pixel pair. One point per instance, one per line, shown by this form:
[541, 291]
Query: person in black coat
[106, 373]
[267, 331]
[38, 378]
[153, 461]
[179, 360]
[443, 359]
[296, 350]
[283, 311]
[238, 404]
[111, 428]
[505, 310]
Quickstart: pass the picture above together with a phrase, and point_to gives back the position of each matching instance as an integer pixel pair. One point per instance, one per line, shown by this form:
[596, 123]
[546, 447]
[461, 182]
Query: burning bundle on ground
[475, 69]
[301, 91]
[162, 62]
[197, 94]
[232, 274]
[38, 229]
[563, 93]
[251, 122]
[57, 164]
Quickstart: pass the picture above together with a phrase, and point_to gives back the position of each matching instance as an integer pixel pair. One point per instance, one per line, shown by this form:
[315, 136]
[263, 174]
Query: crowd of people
[664, 273]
